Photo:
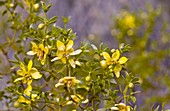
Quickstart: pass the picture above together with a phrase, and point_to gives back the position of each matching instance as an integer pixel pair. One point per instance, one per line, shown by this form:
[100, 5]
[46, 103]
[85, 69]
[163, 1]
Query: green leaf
[135, 80]
[133, 98]
[113, 81]
[52, 20]
[4, 12]
[94, 47]
[16, 57]
[2, 3]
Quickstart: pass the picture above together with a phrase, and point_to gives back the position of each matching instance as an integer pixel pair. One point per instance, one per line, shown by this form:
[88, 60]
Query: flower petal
[69, 45]
[30, 63]
[76, 52]
[20, 72]
[23, 100]
[22, 66]
[18, 79]
[35, 74]
[54, 59]
[116, 55]
[59, 84]
[60, 46]
[63, 60]
[31, 53]
[117, 70]
[122, 60]
[41, 46]
[106, 56]
[60, 54]
[72, 63]
[78, 63]
[28, 90]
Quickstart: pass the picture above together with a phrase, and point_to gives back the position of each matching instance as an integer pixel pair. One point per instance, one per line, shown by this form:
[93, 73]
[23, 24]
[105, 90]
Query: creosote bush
[52, 74]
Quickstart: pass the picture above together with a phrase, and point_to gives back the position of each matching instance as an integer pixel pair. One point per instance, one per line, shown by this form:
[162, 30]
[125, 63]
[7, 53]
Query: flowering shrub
[54, 75]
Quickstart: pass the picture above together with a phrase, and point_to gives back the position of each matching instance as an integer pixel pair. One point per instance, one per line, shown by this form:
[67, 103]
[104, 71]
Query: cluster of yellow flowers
[64, 52]
[27, 74]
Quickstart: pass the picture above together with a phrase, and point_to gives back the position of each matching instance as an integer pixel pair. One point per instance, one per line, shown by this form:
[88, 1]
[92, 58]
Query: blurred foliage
[147, 32]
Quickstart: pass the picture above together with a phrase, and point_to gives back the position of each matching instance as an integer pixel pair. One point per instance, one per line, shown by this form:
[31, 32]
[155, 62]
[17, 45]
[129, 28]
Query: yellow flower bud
[103, 64]
[36, 6]
[88, 78]
[41, 26]
[16, 104]
[131, 85]
[11, 5]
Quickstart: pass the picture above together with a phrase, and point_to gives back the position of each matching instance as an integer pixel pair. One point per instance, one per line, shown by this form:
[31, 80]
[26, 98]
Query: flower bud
[41, 26]
[11, 5]
[103, 64]
[131, 85]
[16, 104]
[36, 7]
[88, 78]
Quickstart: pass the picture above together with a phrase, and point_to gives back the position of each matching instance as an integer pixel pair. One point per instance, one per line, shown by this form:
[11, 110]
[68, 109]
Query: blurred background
[144, 25]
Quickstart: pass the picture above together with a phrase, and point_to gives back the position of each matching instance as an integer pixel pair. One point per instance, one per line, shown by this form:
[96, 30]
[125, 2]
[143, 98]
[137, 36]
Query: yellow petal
[106, 56]
[28, 90]
[75, 98]
[46, 50]
[60, 54]
[35, 74]
[42, 61]
[18, 79]
[69, 45]
[72, 63]
[122, 60]
[20, 72]
[22, 66]
[31, 53]
[54, 59]
[33, 96]
[30, 63]
[63, 60]
[23, 100]
[78, 63]
[60, 46]
[76, 52]
[41, 46]
[117, 70]
[59, 84]
[34, 45]
[29, 82]
[116, 55]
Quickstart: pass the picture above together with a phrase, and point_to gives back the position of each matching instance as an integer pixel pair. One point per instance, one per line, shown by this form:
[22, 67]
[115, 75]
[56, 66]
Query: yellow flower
[27, 92]
[129, 21]
[68, 81]
[40, 51]
[120, 107]
[27, 73]
[76, 98]
[116, 60]
[65, 51]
